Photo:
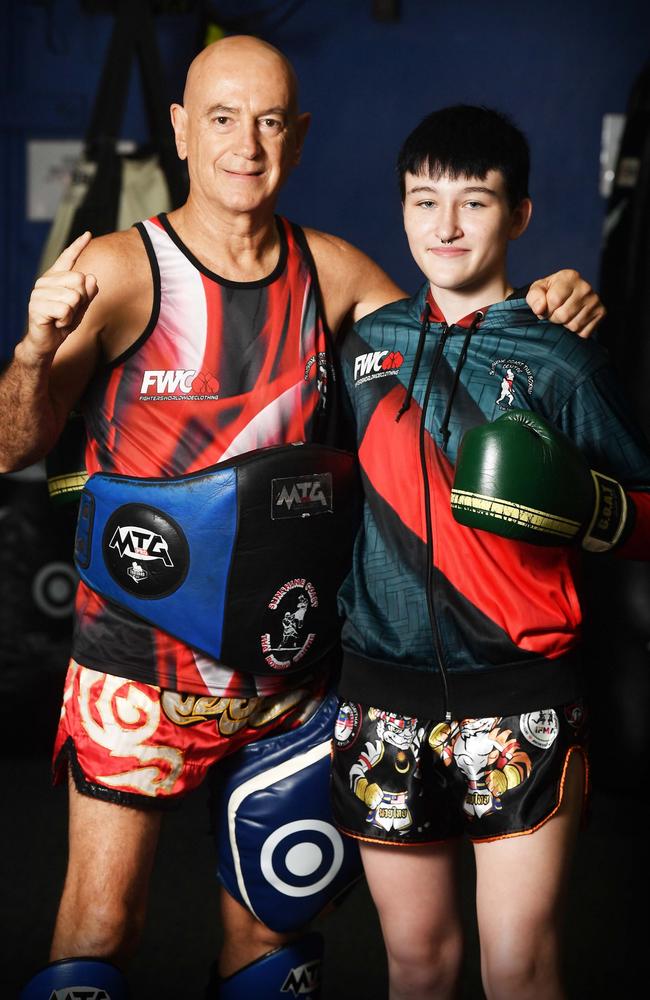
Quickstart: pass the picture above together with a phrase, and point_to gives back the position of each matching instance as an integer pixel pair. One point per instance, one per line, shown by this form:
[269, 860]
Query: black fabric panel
[287, 567]
[504, 690]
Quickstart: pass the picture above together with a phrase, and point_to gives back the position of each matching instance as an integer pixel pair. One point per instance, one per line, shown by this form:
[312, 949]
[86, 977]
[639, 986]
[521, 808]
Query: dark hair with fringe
[468, 141]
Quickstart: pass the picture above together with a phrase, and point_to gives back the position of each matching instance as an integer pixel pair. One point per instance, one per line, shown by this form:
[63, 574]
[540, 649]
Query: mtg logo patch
[300, 496]
[79, 993]
[303, 979]
[289, 637]
[145, 551]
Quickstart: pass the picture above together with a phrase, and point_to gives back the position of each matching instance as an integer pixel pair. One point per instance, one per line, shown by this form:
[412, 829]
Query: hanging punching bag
[625, 261]
[112, 190]
[618, 610]
[37, 575]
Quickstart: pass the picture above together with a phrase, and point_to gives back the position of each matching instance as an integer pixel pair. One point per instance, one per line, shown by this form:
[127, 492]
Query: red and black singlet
[222, 368]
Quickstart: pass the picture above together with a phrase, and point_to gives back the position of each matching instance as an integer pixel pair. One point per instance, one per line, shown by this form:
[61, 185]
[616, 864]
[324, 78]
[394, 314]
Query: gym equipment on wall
[618, 609]
[111, 189]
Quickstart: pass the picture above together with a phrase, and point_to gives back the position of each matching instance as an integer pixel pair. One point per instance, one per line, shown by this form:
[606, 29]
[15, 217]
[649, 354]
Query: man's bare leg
[111, 853]
[244, 937]
[521, 886]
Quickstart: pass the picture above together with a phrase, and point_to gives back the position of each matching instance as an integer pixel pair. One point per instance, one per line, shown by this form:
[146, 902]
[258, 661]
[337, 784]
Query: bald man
[187, 340]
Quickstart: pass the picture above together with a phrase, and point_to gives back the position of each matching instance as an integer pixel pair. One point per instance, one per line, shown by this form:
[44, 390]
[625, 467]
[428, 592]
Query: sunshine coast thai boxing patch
[241, 561]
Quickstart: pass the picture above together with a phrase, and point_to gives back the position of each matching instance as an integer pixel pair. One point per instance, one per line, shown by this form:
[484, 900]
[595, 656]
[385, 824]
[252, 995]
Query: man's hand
[58, 303]
[566, 298]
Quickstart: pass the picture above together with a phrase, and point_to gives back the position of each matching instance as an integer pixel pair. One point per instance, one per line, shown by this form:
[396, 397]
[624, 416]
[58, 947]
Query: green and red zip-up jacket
[443, 620]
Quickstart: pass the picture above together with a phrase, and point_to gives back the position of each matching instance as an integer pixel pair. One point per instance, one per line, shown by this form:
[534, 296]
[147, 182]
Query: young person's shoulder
[554, 347]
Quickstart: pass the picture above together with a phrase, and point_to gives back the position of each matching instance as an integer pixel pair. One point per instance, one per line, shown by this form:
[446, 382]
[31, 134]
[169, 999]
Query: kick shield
[279, 853]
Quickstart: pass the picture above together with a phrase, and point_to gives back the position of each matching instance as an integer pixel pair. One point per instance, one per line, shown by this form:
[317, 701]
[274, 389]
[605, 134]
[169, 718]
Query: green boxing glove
[521, 478]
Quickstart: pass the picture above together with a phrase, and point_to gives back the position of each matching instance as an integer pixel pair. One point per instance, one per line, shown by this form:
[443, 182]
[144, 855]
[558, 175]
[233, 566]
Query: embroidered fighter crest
[294, 599]
[508, 369]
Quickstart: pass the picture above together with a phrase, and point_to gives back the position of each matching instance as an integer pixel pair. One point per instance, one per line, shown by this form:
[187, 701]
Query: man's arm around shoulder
[351, 283]
[353, 286]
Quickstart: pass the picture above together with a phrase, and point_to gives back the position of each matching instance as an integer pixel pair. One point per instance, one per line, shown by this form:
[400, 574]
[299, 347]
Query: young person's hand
[566, 298]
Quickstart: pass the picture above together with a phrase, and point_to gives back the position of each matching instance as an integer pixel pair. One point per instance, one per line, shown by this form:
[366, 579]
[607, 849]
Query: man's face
[458, 229]
[238, 130]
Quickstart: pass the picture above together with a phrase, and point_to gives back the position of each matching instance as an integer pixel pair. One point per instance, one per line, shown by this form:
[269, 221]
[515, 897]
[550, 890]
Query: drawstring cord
[444, 432]
[424, 326]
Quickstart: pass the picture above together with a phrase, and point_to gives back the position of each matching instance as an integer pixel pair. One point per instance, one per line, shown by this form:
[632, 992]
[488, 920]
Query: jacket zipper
[429, 526]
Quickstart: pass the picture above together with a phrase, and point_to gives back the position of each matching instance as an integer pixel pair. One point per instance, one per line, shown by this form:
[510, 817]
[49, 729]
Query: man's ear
[303, 122]
[179, 124]
[520, 219]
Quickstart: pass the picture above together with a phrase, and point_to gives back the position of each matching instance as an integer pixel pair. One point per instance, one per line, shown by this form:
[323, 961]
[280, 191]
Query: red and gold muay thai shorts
[134, 743]
[403, 780]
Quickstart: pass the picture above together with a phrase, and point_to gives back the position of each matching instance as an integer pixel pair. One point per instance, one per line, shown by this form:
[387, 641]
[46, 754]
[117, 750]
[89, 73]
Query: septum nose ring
[446, 243]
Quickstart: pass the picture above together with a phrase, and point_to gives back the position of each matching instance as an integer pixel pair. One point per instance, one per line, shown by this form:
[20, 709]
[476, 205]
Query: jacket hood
[510, 312]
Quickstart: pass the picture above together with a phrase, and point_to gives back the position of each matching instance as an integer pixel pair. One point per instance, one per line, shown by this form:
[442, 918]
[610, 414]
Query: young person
[461, 679]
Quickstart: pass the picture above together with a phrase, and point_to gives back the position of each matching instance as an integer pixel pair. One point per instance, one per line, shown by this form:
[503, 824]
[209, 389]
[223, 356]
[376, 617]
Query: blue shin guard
[292, 971]
[76, 978]
[280, 854]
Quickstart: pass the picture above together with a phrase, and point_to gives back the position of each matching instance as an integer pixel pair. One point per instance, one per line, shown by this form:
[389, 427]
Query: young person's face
[458, 229]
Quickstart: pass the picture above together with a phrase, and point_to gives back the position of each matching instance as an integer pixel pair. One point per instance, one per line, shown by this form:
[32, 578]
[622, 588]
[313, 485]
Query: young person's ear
[520, 218]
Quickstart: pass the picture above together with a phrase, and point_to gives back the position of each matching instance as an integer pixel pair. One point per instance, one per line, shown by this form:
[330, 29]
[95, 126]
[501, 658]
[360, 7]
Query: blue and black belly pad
[241, 561]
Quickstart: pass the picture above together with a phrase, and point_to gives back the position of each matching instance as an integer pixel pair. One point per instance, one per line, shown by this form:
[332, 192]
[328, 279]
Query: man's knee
[104, 928]
[104, 898]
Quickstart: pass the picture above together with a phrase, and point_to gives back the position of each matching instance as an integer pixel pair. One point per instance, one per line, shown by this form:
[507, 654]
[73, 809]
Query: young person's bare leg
[521, 885]
[415, 892]
[111, 853]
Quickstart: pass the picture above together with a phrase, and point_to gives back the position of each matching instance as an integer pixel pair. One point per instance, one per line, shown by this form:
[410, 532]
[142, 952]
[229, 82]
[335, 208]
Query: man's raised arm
[49, 371]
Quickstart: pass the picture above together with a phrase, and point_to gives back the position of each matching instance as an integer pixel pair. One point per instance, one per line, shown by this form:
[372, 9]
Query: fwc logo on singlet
[376, 364]
[178, 383]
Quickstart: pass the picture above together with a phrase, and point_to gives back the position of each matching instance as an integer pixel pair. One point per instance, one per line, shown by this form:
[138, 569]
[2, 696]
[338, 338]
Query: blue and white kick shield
[280, 854]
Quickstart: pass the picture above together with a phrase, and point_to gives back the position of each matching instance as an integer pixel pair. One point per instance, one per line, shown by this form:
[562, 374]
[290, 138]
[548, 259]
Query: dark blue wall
[556, 67]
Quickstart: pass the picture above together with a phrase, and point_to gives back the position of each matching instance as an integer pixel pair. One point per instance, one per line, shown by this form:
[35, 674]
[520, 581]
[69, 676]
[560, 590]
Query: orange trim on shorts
[489, 840]
[395, 843]
[585, 794]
